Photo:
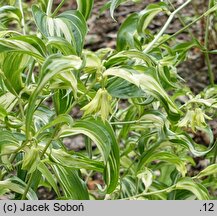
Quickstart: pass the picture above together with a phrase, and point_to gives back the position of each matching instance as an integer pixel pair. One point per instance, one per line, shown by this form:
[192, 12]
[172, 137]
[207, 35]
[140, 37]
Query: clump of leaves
[143, 151]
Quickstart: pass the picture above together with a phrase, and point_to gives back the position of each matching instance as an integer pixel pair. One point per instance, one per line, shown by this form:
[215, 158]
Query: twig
[206, 46]
[211, 10]
[49, 7]
[150, 45]
[58, 8]
[23, 25]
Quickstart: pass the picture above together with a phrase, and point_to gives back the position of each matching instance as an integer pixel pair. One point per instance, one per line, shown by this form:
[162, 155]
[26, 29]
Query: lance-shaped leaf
[13, 66]
[147, 83]
[61, 44]
[103, 135]
[126, 34]
[61, 119]
[135, 25]
[113, 6]
[85, 7]
[30, 45]
[71, 183]
[136, 55]
[55, 64]
[75, 161]
[70, 25]
[63, 100]
[170, 158]
[210, 170]
[120, 88]
[197, 189]
[186, 141]
[7, 103]
[18, 186]
[9, 13]
[7, 138]
[147, 15]
[48, 175]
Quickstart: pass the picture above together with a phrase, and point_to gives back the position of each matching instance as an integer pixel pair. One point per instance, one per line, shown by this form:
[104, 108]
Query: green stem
[29, 76]
[150, 45]
[58, 8]
[127, 122]
[211, 10]
[81, 97]
[150, 193]
[49, 8]
[28, 186]
[17, 96]
[181, 19]
[205, 50]
[49, 142]
[215, 153]
[42, 154]
[12, 157]
[23, 25]
[206, 46]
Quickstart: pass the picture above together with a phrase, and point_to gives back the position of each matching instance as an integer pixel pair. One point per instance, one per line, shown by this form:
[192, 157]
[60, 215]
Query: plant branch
[42, 154]
[15, 93]
[215, 153]
[23, 25]
[211, 10]
[29, 76]
[49, 7]
[81, 97]
[49, 142]
[206, 46]
[150, 193]
[181, 19]
[58, 8]
[150, 45]
[127, 122]
[27, 187]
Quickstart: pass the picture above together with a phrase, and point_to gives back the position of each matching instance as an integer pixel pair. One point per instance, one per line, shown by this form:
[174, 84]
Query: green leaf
[208, 171]
[63, 100]
[126, 33]
[7, 138]
[113, 6]
[54, 64]
[147, 15]
[75, 160]
[120, 88]
[31, 159]
[70, 25]
[48, 175]
[103, 135]
[145, 81]
[72, 185]
[7, 103]
[43, 4]
[14, 64]
[61, 119]
[147, 177]
[61, 44]
[30, 45]
[197, 189]
[132, 54]
[186, 141]
[9, 13]
[65, 80]
[18, 186]
[168, 157]
[128, 187]
[85, 7]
